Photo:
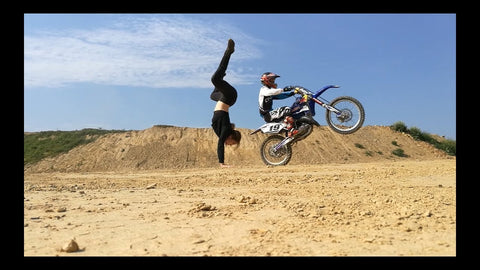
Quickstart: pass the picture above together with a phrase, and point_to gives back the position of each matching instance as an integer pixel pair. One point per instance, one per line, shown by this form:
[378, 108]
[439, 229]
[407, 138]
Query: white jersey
[265, 98]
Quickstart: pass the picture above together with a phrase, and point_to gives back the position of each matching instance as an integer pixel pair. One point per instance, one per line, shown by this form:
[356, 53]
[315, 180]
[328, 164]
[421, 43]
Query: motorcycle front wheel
[273, 157]
[350, 118]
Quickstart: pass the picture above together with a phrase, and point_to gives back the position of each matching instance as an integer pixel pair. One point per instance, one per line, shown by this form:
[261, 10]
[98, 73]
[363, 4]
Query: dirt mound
[161, 147]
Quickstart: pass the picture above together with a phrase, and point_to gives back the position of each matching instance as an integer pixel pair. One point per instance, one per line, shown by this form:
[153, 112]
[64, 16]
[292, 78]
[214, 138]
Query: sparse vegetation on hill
[181, 147]
[39, 145]
[446, 145]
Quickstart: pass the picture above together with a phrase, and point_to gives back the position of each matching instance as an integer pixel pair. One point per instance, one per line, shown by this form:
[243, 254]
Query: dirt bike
[344, 115]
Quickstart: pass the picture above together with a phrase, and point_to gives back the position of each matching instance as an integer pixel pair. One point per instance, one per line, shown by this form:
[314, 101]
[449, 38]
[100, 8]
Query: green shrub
[359, 146]
[399, 152]
[399, 126]
[417, 134]
[39, 145]
[448, 146]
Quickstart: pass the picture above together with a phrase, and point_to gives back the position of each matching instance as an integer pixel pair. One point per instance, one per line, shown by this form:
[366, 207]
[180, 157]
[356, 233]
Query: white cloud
[159, 52]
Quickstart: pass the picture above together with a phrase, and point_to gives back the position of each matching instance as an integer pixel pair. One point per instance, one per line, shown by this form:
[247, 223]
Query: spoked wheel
[350, 118]
[270, 156]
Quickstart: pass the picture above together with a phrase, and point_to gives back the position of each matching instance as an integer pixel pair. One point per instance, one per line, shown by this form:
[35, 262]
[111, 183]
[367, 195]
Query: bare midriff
[221, 106]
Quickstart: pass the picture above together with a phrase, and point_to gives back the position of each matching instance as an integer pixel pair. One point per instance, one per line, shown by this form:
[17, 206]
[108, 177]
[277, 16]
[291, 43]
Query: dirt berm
[162, 147]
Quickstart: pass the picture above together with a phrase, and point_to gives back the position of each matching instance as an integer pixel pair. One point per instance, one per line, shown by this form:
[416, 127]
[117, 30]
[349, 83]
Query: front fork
[326, 106]
[282, 143]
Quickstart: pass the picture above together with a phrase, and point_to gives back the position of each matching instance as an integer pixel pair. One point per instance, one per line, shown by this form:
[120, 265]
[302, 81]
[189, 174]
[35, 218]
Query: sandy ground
[385, 208]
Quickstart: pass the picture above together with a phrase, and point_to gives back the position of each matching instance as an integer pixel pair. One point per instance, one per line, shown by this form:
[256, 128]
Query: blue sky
[133, 71]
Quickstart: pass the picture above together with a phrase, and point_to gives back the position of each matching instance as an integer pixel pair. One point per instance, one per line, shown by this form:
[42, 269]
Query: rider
[269, 92]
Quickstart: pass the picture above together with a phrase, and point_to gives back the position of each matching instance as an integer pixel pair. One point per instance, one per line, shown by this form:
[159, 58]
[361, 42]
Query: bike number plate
[273, 127]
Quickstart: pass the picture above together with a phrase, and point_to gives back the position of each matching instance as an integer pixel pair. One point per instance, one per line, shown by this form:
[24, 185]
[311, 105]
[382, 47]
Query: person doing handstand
[225, 95]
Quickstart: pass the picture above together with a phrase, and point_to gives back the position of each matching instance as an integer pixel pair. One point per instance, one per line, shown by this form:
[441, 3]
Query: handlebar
[303, 91]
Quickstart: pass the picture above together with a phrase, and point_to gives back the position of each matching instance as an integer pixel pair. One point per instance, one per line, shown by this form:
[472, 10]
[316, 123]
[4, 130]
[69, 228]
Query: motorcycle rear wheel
[275, 158]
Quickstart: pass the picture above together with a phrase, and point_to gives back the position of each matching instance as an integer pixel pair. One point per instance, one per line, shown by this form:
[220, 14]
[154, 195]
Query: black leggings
[223, 90]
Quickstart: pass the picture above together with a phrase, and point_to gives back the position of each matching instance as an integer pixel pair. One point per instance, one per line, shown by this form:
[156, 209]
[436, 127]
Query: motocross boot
[292, 132]
[290, 126]
[289, 121]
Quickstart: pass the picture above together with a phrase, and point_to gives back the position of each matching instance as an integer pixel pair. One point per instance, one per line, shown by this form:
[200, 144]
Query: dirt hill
[162, 147]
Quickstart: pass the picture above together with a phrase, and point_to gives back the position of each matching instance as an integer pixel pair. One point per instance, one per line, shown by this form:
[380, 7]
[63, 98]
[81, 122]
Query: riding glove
[288, 88]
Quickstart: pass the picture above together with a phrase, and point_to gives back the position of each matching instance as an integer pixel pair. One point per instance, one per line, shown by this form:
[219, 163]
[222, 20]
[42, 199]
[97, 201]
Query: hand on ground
[223, 165]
